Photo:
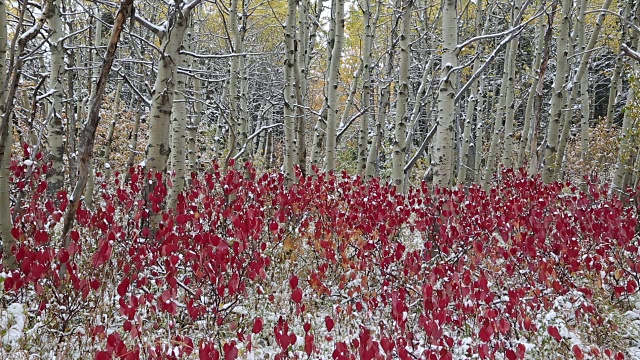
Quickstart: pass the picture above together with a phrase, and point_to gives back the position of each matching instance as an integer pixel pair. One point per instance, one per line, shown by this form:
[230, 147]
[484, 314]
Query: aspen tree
[557, 99]
[621, 175]
[55, 127]
[510, 89]
[289, 94]
[576, 83]
[616, 80]
[400, 132]
[332, 88]
[158, 147]
[443, 149]
[528, 112]
[367, 88]
[5, 155]
[472, 101]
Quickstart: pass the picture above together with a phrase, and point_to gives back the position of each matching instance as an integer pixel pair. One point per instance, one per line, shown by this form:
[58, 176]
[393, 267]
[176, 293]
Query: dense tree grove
[452, 96]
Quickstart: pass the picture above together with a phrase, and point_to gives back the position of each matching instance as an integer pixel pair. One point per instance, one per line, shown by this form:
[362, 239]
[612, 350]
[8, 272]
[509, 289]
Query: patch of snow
[550, 316]
[12, 321]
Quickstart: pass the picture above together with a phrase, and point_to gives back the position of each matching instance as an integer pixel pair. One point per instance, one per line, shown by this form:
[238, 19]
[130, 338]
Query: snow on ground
[12, 323]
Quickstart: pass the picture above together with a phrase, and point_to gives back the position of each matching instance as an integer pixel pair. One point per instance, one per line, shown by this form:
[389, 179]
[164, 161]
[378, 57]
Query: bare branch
[226, 56]
[630, 53]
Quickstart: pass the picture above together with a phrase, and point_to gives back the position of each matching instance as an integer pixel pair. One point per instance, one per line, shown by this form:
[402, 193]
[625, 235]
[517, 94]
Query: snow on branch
[630, 53]
[225, 56]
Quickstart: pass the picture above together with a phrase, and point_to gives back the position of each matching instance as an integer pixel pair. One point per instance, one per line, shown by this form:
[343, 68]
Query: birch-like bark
[218, 139]
[480, 124]
[55, 127]
[348, 105]
[290, 156]
[71, 118]
[625, 153]
[112, 126]
[5, 159]
[192, 128]
[332, 88]
[496, 134]
[528, 112]
[373, 157]
[301, 70]
[400, 132]
[133, 139]
[367, 70]
[624, 163]
[8, 96]
[575, 85]
[471, 103]
[88, 193]
[616, 82]
[237, 78]
[443, 149]
[510, 95]
[178, 136]
[538, 98]
[318, 146]
[557, 99]
[158, 147]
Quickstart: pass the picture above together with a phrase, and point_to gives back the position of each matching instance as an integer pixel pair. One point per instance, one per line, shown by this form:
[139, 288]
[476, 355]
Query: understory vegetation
[331, 267]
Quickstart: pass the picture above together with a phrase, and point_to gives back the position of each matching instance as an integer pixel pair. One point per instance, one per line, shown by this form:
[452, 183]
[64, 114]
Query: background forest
[319, 179]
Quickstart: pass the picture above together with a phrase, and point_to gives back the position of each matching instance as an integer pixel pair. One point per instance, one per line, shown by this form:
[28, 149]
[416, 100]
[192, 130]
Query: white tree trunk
[616, 81]
[7, 240]
[192, 129]
[158, 147]
[498, 128]
[116, 115]
[178, 136]
[363, 134]
[88, 194]
[443, 150]
[290, 157]
[528, 112]
[400, 133]
[55, 127]
[510, 95]
[625, 154]
[557, 100]
[576, 82]
[332, 89]
[471, 103]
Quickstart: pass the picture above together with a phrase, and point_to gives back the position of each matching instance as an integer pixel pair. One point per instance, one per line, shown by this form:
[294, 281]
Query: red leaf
[632, 286]
[387, 345]
[103, 355]
[553, 331]
[257, 325]
[63, 255]
[123, 287]
[293, 281]
[308, 344]
[328, 321]
[41, 237]
[485, 334]
[296, 295]
[233, 283]
[230, 351]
